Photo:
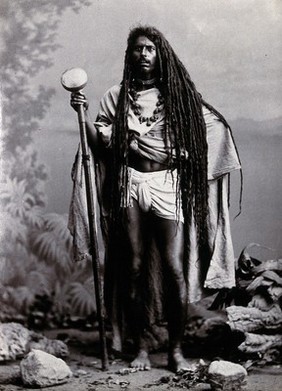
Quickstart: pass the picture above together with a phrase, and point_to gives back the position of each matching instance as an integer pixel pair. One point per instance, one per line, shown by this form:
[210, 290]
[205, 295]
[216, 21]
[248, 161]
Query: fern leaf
[82, 299]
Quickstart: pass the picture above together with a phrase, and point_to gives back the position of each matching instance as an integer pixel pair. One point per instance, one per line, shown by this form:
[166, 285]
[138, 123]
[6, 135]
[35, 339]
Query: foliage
[54, 242]
[19, 209]
[46, 271]
[29, 31]
[183, 380]
[11, 229]
[81, 297]
[23, 278]
[35, 257]
[24, 166]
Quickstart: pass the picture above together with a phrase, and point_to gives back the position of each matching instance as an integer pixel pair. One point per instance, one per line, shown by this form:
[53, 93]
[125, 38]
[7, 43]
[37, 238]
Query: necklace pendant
[137, 109]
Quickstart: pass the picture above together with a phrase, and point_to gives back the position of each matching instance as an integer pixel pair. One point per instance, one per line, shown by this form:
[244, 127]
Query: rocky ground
[88, 376]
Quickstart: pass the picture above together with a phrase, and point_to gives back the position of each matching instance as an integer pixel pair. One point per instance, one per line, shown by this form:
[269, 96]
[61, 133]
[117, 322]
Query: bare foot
[178, 364]
[141, 362]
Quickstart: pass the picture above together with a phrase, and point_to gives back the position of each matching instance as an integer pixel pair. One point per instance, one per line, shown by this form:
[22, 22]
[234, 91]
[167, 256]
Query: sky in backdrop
[232, 50]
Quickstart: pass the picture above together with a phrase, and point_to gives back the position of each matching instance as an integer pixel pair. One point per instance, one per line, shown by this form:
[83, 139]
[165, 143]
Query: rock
[13, 341]
[81, 372]
[260, 343]
[16, 341]
[253, 319]
[41, 369]
[10, 374]
[267, 348]
[52, 346]
[227, 376]
[4, 348]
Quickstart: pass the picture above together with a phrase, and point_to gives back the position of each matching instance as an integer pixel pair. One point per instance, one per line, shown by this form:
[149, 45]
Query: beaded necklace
[136, 107]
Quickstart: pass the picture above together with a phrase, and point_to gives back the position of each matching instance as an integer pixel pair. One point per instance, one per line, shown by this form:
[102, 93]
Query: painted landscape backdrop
[232, 50]
[260, 147]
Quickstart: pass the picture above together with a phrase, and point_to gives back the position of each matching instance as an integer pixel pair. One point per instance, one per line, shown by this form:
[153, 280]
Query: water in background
[259, 144]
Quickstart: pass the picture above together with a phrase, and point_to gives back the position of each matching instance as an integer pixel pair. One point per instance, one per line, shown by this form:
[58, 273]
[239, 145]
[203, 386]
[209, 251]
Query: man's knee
[174, 262]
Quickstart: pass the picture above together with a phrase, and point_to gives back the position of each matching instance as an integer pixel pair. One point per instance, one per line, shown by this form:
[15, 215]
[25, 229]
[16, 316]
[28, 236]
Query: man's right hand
[77, 99]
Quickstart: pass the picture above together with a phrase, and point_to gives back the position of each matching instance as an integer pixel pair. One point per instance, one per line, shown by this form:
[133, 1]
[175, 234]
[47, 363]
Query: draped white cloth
[222, 159]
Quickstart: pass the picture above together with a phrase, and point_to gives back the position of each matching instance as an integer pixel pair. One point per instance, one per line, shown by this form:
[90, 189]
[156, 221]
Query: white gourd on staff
[74, 79]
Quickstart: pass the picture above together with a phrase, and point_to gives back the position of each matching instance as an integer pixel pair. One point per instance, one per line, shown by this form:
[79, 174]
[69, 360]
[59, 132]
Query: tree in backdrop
[29, 30]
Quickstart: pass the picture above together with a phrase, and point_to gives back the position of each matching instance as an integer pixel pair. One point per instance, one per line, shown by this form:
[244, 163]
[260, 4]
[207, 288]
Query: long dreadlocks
[184, 123]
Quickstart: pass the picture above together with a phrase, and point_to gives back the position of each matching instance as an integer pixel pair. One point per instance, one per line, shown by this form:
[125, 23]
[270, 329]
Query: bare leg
[135, 228]
[170, 241]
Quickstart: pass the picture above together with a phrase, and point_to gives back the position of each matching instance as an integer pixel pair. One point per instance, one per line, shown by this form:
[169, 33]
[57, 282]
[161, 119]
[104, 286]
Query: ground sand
[88, 376]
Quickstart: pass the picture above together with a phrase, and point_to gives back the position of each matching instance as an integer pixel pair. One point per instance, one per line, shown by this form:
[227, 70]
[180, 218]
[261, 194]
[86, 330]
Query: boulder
[13, 341]
[250, 319]
[52, 346]
[10, 374]
[260, 343]
[227, 376]
[4, 348]
[16, 341]
[40, 369]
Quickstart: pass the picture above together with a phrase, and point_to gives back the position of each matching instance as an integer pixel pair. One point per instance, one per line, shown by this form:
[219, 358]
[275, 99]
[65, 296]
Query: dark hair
[184, 123]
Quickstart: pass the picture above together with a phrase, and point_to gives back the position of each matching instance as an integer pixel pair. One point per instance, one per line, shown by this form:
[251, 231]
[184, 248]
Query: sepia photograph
[141, 215]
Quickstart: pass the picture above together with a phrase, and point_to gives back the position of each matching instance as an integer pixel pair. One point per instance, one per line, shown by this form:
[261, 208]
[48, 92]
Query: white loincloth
[156, 191]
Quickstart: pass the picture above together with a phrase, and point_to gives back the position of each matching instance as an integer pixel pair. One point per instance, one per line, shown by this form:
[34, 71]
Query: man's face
[144, 58]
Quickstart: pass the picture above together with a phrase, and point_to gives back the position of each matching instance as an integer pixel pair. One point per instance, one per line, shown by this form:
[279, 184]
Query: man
[163, 157]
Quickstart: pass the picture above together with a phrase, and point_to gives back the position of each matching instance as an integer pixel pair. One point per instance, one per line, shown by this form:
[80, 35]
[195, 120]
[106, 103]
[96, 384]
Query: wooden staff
[75, 80]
